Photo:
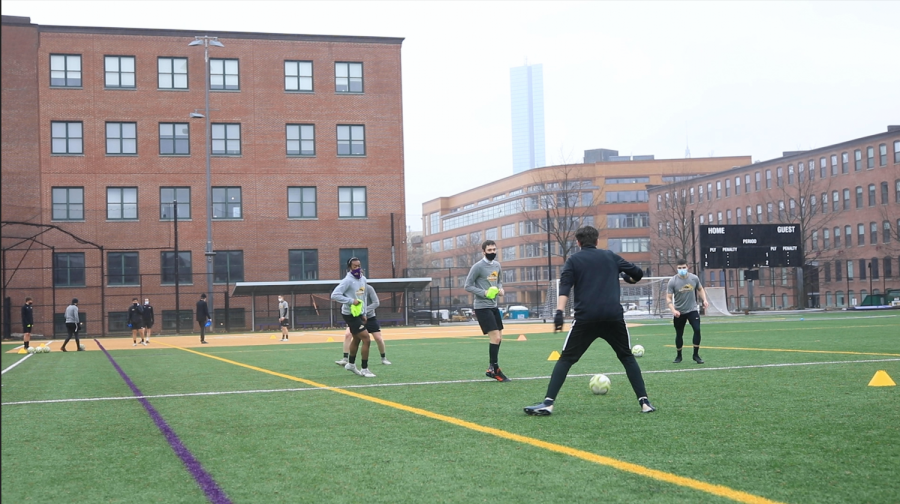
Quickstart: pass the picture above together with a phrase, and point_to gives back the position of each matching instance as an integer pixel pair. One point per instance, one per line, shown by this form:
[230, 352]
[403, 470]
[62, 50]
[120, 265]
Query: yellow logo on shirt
[688, 287]
[493, 276]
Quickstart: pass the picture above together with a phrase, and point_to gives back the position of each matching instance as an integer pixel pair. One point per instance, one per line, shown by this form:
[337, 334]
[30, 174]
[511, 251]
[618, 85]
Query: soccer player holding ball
[681, 297]
[351, 293]
[372, 326]
[484, 282]
[594, 274]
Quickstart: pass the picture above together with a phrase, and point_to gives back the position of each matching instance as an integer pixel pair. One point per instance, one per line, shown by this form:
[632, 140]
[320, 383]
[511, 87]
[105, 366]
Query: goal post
[648, 295]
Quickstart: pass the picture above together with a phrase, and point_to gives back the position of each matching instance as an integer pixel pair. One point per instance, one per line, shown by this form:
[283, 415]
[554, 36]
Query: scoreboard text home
[751, 246]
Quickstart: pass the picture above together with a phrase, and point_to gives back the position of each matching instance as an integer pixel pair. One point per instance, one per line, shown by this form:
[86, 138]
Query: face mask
[357, 273]
[490, 257]
[146, 303]
[682, 271]
[280, 300]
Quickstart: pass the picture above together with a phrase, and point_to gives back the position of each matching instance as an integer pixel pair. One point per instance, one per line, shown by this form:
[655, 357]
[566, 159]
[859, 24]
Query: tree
[675, 236]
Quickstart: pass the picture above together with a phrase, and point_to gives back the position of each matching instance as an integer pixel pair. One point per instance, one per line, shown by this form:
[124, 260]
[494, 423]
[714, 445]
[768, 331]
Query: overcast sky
[724, 78]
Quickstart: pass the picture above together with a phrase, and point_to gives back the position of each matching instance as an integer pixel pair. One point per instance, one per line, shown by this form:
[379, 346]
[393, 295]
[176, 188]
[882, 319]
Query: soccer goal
[647, 296]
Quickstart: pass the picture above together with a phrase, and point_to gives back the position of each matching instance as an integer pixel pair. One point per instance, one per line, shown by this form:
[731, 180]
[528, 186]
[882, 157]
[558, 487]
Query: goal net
[648, 296]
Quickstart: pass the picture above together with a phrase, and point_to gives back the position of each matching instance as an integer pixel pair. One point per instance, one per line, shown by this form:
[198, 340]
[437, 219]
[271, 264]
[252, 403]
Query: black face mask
[490, 257]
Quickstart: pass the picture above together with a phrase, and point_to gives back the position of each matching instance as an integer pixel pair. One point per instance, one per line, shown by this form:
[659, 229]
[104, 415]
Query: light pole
[207, 41]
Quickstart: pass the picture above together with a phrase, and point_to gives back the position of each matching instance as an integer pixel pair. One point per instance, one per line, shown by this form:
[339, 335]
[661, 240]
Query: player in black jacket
[27, 321]
[594, 273]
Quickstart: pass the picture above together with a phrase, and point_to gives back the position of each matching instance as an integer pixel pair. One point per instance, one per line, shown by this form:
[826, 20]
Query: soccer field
[780, 412]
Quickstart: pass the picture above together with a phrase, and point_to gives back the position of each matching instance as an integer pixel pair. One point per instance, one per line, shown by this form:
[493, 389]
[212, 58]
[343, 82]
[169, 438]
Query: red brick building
[844, 197]
[98, 139]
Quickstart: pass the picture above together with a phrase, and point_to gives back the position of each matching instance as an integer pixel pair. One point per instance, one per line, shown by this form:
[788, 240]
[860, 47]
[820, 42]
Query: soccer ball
[637, 350]
[599, 384]
[81, 346]
[31, 349]
[46, 349]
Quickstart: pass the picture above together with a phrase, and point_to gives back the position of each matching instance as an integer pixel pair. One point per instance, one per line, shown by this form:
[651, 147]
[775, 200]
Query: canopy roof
[382, 285]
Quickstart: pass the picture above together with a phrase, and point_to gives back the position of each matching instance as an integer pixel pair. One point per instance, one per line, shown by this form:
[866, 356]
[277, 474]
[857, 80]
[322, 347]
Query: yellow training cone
[882, 379]
[554, 355]
[272, 337]
[521, 338]
[329, 340]
[22, 350]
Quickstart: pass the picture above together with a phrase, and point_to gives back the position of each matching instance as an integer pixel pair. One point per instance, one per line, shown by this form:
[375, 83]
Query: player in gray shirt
[283, 320]
[484, 282]
[73, 323]
[352, 292]
[681, 297]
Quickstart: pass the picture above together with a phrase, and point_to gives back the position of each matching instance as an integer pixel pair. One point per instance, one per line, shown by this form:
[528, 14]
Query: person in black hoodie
[27, 321]
[136, 322]
[594, 273]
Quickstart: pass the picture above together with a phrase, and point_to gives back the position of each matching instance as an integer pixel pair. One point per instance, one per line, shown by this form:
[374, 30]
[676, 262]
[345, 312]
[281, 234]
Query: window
[66, 138]
[361, 254]
[226, 139]
[835, 201]
[68, 203]
[849, 270]
[887, 268]
[65, 70]
[630, 220]
[801, 173]
[747, 183]
[121, 138]
[815, 240]
[859, 197]
[873, 265]
[508, 253]
[298, 76]
[873, 233]
[167, 267]
[226, 203]
[228, 266]
[779, 174]
[490, 234]
[824, 202]
[301, 140]
[897, 191]
[435, 223]
[351, 140]
[301, 202]
[728, 216]
[348, 77]
[168, 195]
[447, 243]
[837, 237]
[756, 183]
[812, 205]
[119, 71]
[781, 214]
[623, 245]
[121, 203]
[791, 174]
[626, 196]
[737, 185]
[871, 195]
[223, 74]
[68, 269]
[699, 194]
[727, 187]
[123, 268]
[718, 189]
[636, 180]
[861, 235]
[691, 200]
[768, 179]
[826, 239]
[897, 151]
[759, 214]
[172, 73]
[792, 208]
[862, 269]
[769, 211]
[507, 231]
[750, 215]
[174, 139]
[845, 163]
[351, 202]
[857, 160]
[848, 236]
[509, 275]
[870, 157]
[882, 157]
[886, 232]
[822, 168]
[884, 193]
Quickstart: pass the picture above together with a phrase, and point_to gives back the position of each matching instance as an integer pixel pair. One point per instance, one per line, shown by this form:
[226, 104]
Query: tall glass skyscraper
[526, 89]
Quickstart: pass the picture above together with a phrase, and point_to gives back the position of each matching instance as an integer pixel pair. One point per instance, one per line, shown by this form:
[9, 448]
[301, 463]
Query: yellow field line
[719, 490]
[797, 351]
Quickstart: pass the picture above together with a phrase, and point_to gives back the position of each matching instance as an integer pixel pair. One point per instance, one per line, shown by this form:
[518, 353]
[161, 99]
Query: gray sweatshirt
[348, 290]
[283, 309]
[684, 292]
[372, 301]
[72, 314]
[483, 275]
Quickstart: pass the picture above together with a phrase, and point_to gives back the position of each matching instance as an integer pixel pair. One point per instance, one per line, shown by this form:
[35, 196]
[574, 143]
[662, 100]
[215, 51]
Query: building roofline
[159, 32]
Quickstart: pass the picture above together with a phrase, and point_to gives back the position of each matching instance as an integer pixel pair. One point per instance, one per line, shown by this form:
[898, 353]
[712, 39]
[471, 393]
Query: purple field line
[206, 482]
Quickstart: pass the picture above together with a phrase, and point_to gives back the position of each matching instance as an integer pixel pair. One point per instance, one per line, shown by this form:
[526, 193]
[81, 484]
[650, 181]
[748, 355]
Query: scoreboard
[751, 246]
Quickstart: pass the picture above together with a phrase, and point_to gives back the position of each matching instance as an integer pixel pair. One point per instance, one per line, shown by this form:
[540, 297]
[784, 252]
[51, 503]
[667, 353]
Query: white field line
[22, 359]
[445, 382]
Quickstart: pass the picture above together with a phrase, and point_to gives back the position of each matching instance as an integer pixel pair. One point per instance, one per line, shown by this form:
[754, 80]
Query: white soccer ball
[30, 349]
[637, 350]
[81, 346]
[600, 384]
[46, 349]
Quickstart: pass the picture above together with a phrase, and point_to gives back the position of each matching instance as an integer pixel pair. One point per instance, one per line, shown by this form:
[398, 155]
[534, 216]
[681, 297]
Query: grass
[808, 430]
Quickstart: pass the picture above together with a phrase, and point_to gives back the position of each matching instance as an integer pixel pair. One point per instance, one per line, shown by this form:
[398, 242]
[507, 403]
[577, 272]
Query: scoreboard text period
[751, 246]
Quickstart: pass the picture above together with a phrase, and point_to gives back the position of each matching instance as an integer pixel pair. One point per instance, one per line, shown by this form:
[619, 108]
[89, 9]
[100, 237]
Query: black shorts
[489, 319]
[26, 329]
[138, 326]
[372, 325]
[355, 324]
[583, 333]
[148, 325]
[286, 323]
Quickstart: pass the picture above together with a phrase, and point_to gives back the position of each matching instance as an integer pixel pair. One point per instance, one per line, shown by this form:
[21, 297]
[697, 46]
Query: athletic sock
[493, 352]
[26, 347]
[351, 359]
[696, 350]
[382, 356]
[365, 363]
[346, 354]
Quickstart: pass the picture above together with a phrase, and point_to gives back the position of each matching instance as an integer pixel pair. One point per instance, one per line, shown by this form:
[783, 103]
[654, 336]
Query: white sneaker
[144, 343]
[385, 362]
[134, 343]
[352, 369]
[366, 373]
[342, 362]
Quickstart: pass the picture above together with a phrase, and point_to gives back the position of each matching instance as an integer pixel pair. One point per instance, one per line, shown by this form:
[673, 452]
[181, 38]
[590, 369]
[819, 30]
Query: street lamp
[207, 41]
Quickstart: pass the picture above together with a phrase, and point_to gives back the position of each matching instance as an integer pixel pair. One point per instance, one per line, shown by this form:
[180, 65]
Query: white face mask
[682, 271]
[280, 300]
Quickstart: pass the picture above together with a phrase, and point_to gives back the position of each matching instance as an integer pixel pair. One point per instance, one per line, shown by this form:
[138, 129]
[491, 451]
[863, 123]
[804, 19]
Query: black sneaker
[543, 409]
[698, 360]
[496, 374]
[204, 342]
[646, 407]
[677, 360]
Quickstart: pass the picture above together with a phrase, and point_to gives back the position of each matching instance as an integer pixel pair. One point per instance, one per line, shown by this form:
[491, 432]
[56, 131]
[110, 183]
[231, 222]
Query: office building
[526, 90]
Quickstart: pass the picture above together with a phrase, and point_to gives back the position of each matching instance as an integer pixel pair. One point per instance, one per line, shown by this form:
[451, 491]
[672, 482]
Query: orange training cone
[521, 338]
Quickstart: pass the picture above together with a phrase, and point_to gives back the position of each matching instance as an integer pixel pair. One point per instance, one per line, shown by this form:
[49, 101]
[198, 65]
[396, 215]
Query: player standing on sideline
[136, 322]
[372, 326]
[27, 321]
[283, 319]
[351, 292]
[681, 297]
[148, 320]
[72, 325]
[594, 273]
[484, 282]
[203, 316]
